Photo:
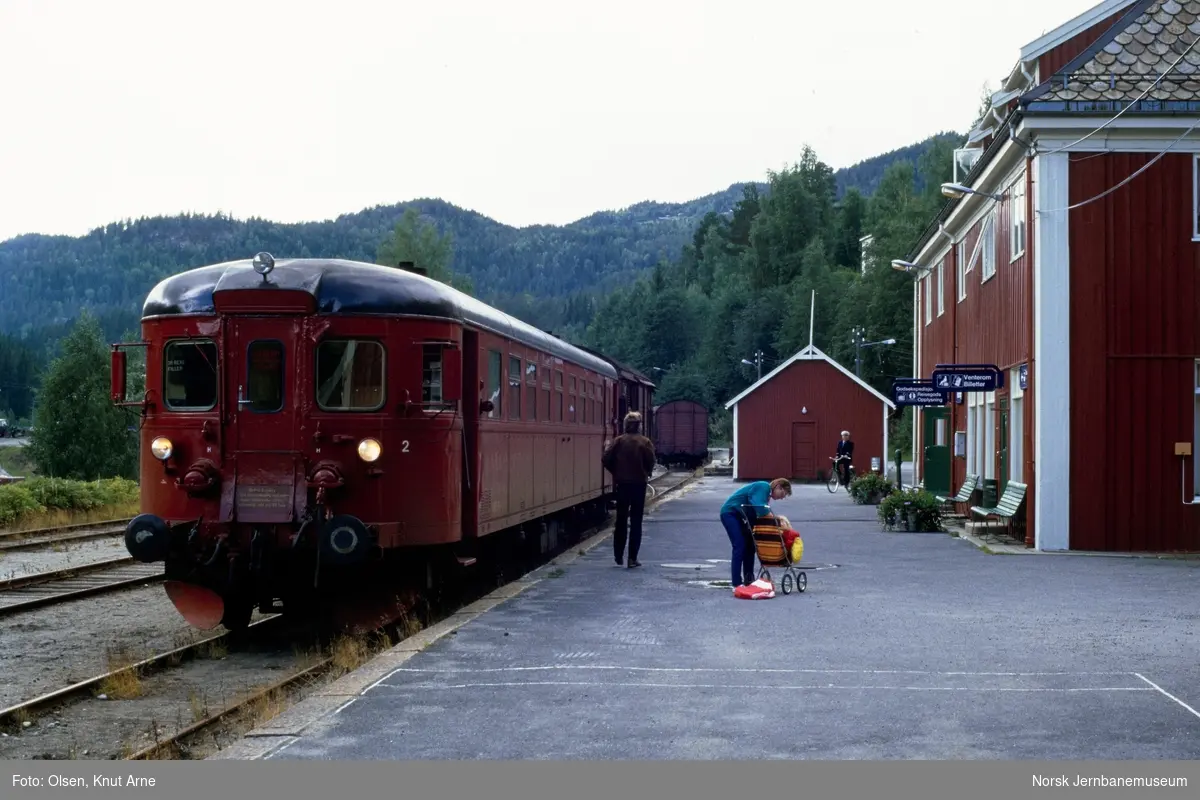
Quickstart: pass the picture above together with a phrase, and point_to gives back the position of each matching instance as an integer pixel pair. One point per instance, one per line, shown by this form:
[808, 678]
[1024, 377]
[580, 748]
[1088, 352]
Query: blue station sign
[967, 378]
[916, 392]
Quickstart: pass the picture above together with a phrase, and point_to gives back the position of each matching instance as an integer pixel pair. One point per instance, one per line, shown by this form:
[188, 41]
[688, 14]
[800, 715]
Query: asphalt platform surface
[904, 646]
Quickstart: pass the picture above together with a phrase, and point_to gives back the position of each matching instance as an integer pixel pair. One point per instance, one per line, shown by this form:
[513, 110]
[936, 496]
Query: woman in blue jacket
[757, 494]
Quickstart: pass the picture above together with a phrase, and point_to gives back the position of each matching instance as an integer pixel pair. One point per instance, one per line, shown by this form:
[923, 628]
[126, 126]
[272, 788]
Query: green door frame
[935, 462]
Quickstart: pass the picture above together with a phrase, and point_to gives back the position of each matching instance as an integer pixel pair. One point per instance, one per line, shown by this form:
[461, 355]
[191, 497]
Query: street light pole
[757, 362]
[857, 337]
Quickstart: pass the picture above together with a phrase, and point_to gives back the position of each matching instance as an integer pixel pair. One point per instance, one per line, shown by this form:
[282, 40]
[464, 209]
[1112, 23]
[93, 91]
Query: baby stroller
[771, 547]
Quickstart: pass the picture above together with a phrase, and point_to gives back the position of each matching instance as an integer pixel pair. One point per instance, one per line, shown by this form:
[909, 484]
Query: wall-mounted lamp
[956, 190]
[904, 266]
[804, 410]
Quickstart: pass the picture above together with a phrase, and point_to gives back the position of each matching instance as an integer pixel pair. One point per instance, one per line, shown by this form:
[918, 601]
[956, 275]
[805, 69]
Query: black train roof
[354, 287]
[624, 370]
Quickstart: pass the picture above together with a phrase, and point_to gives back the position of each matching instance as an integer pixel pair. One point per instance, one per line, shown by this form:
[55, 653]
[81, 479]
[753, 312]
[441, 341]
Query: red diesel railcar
[316, 426]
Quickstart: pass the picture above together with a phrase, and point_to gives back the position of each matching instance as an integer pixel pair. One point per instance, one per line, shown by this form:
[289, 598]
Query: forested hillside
[555, 277]
[745, 284]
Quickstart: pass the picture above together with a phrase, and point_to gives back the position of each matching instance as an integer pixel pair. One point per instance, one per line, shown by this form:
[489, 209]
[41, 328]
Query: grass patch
[47, 502]
[124, 683]
[351, 652]
[215, 650]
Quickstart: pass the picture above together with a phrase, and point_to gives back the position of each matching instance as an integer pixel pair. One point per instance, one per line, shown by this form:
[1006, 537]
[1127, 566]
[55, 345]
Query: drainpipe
[1028, 419]
[953, 334]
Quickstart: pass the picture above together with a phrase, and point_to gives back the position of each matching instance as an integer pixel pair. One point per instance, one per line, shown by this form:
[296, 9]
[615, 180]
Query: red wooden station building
[1069, 257]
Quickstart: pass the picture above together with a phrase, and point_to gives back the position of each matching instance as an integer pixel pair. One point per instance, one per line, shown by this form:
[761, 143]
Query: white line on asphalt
[773, 687]
[750, 670]
[1158, 688]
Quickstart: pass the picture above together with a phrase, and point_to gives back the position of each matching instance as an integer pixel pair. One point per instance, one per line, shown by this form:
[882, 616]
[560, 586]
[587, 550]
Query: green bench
[1007, 508]
[964, 492]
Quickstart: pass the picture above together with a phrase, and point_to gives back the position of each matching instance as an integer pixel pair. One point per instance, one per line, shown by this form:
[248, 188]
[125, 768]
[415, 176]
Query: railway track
[48, 588]
[239, 715]
[41, 537]
[90, 685]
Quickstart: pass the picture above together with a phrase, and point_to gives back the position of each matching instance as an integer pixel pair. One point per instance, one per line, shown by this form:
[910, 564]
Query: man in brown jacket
[630, 459]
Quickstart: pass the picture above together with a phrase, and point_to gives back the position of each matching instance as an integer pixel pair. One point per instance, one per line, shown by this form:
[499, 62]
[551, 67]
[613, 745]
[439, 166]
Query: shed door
[804, 450]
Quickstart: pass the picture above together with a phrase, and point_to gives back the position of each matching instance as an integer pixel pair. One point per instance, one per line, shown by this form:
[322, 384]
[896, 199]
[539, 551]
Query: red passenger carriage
[313, 428]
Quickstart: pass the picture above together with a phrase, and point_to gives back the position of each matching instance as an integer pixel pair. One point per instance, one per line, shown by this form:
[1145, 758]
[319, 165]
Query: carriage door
[262, 358]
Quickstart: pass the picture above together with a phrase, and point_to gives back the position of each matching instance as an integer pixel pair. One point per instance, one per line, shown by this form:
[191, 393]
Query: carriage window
[514, 387]
[558, 392]
[531, 392]
[350, 375]
[190, 375]
[572, 401]
[493, 383]
[431, 374]
[264, 376]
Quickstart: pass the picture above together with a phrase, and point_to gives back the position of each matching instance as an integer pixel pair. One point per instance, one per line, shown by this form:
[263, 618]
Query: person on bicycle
[845, 452]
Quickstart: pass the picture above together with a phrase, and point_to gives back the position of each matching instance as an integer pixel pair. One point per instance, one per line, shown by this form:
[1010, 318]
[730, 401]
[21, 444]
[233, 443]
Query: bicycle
[835, 477]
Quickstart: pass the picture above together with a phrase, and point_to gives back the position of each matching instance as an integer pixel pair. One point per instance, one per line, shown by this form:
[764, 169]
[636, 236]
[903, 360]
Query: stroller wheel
[786, 583]
[801, 582]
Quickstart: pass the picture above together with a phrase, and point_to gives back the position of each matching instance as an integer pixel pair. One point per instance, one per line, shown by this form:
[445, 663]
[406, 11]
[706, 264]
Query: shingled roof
[1152, 51]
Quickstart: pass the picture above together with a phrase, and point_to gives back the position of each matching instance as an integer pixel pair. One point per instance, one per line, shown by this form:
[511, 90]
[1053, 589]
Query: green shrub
[870, 488]
[15, 502]
[912, 509]
[40, 495]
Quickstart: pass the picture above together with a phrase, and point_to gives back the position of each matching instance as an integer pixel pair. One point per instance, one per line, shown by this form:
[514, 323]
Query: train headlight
[162, 448]
[369, 450]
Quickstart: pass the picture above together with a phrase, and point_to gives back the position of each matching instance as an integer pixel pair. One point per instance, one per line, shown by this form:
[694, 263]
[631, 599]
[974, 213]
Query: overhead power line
[1144, 167]
[1136, 100]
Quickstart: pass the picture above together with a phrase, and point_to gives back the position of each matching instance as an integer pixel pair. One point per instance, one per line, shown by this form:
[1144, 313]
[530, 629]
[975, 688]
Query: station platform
[904, 646]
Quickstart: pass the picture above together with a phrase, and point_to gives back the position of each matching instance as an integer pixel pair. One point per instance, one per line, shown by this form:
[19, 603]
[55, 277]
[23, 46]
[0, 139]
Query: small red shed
[787, 424]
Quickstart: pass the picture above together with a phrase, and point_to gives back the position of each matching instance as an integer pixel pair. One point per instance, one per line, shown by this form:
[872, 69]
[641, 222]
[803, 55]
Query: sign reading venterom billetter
[967, 378]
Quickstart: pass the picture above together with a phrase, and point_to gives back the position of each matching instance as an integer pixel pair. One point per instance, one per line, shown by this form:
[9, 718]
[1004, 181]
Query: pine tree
[78, 432]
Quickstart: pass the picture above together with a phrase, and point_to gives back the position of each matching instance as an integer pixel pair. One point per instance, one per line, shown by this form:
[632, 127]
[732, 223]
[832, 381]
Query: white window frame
[1019, 229]
[1196, 434]
[1016, 435]
[972, 433]
[941, 293]
[928, 298]
[987, 256]
[1196, 198]
[989, 437]
[960, 268]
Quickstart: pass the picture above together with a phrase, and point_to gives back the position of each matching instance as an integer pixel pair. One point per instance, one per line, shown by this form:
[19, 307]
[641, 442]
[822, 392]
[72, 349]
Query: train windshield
[350, 375]
[190, 375]
[264, 376]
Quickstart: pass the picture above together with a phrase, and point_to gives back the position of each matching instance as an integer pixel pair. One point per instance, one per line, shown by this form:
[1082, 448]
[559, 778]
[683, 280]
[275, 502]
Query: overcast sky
[528, 111]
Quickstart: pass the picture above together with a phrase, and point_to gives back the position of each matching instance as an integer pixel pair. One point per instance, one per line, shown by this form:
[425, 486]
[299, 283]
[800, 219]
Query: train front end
[279, 440]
